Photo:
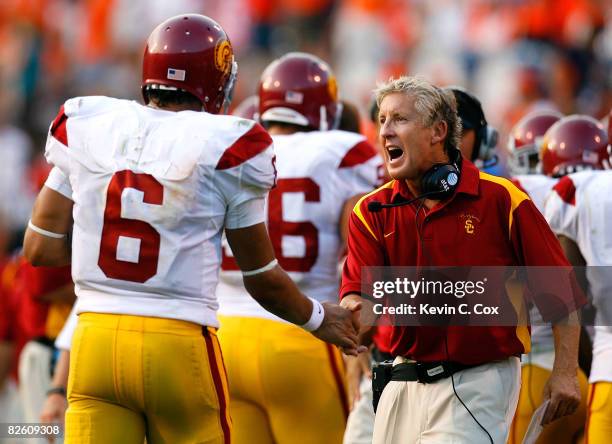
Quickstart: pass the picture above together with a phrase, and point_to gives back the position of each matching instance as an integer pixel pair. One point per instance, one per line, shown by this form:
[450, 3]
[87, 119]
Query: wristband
[316, 317]
[39, 230]
[56, 390]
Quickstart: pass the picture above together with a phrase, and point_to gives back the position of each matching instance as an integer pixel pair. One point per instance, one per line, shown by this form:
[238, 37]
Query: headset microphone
[376, 206]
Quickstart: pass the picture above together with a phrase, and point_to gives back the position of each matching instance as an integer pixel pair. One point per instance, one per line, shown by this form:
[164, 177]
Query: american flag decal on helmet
[176, 74]
[294, 97]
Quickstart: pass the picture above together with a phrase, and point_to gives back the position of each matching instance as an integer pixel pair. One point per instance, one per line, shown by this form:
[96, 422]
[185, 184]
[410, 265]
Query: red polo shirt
[505, 229]
[39, 318]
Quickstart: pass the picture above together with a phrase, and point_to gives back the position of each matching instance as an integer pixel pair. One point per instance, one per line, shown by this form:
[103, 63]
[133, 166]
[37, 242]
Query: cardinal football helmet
[525, 140]
[191, 53]
[300, 89]
[574, 143]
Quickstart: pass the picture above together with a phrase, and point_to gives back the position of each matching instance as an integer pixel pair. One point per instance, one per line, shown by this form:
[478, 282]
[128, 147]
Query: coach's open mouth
[394, 151]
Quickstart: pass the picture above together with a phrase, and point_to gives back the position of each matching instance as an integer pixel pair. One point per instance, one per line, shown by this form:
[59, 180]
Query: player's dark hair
[349, 119]
[374, 111]
[165, 97]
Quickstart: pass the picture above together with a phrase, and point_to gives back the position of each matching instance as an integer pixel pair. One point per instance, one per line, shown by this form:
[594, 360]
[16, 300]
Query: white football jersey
[538, 187]
[317, 172]
[64, 338]
[153, 191]
[580, 208]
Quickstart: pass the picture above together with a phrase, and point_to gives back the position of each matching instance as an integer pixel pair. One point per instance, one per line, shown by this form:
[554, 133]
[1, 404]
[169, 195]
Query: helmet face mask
[299, 89]
[525, 140]
[228, 90]
[575, 143]
[191, 53]
[524, 160]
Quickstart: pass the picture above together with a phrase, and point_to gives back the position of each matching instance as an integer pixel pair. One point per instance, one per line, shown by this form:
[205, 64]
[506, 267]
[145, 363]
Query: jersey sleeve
[59, 182]
[364, 250]
[56, 149]
[550, 277]
[64, 339]
[361, 168]
[560, 209]
[246, 173]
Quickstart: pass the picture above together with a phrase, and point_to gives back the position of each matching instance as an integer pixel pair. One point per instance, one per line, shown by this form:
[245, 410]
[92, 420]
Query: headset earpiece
[441, 180]
[488, 137]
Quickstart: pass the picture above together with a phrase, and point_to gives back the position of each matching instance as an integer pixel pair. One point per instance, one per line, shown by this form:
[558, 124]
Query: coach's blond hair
[430, 102]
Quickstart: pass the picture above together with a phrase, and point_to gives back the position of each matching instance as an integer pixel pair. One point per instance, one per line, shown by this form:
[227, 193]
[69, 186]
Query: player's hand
[564, 393]
[340, 327]
[357, 367]
[53, 410]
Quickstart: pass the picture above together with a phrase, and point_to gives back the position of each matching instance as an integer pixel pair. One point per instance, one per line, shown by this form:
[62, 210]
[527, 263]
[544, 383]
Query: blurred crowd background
[515, 55]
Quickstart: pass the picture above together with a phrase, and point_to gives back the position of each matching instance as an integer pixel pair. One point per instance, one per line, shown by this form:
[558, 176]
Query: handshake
[340, 326]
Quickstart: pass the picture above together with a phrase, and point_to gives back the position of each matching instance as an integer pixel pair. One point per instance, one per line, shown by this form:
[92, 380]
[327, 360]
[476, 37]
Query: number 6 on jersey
[116, 227]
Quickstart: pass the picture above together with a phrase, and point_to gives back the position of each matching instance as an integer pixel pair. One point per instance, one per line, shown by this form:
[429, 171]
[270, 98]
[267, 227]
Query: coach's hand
[564, 393]
[341, 327]
[357, 367]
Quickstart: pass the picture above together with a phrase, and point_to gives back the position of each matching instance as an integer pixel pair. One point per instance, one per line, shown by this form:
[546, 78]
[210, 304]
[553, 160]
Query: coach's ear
[439, 132]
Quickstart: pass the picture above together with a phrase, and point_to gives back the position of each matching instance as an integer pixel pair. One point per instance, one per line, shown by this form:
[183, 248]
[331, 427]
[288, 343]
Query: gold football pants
[286, 386]
[136, 376]
[599, 415]
[568, 429]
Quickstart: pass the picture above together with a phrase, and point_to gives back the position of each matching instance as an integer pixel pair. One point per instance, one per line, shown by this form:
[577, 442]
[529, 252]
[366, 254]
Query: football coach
[456, 384]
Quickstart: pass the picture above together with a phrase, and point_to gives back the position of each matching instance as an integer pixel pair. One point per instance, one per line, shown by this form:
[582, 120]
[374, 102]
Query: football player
[578, 211]
[151, 188]
[247, 109]
[286, 386]
[524, 142]
[564, 147]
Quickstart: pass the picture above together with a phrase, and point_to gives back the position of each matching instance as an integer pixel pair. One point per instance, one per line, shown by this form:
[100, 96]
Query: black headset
[439, 182]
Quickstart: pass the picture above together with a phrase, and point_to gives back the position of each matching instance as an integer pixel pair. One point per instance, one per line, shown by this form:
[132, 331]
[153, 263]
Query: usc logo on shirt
[469, 222]
[469, 226]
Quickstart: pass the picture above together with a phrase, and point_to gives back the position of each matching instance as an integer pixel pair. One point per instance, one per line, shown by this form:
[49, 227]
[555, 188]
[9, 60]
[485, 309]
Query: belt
[43, 340]
[426, 372]
[380, 356]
